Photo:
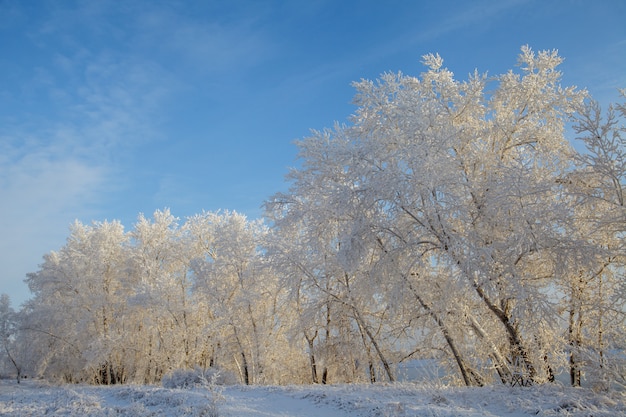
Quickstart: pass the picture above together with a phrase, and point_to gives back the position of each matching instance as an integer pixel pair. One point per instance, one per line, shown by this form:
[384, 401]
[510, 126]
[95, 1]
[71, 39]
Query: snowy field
[32, 398]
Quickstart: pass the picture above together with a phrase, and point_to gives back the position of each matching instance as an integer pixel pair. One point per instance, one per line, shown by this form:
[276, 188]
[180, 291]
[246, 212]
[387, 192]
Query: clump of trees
[449, 219]
[114, 306]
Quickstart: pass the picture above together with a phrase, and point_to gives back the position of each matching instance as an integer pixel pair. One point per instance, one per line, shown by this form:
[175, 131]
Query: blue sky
[109, 109]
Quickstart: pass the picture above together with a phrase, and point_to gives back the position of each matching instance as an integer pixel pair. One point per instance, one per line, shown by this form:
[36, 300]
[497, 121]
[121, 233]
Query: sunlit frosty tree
[9, 351]
[79, 304]
[595, 290]
[239, 296]
[456, 195]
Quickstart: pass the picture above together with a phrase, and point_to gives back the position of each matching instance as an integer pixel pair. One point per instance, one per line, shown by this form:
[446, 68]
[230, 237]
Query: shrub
[197, 377]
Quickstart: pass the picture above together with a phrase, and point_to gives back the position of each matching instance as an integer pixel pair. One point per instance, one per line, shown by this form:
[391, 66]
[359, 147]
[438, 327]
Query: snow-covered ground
[33, 398]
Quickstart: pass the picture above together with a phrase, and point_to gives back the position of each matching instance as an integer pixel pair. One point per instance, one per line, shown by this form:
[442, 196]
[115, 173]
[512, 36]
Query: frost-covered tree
[162, 253]
[8, 331]
[324, 252]
[458, 184]
[595, 288]
[79, 305]
[238, 293]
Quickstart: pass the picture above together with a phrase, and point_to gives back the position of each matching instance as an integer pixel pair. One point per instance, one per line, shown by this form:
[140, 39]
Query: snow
[35, 398]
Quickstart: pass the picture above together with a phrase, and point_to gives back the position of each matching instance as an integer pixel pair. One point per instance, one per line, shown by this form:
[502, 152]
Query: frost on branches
[448, 219]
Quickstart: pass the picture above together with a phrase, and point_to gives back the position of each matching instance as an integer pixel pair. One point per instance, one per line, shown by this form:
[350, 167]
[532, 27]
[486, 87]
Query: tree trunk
[574, 343]
[517, 346]
[500, 362]
[381, 355]
[309, 341]
[370, 362]
[327, 338]
[325, 376]
[18, 369]
[245, 372]
[465, 374]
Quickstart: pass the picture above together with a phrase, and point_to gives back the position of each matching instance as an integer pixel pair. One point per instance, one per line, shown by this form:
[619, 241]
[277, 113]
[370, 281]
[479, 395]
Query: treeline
[450, 220]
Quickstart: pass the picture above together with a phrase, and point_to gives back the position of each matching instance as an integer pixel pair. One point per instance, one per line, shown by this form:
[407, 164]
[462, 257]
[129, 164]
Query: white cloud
[80, 115]
[205, 45]
[41, 191]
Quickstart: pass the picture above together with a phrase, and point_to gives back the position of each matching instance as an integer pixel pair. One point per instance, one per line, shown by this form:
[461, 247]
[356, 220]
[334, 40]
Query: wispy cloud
[205, 45]
[41, 190]
[78, 113]
[472, 14]
[93, 83]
